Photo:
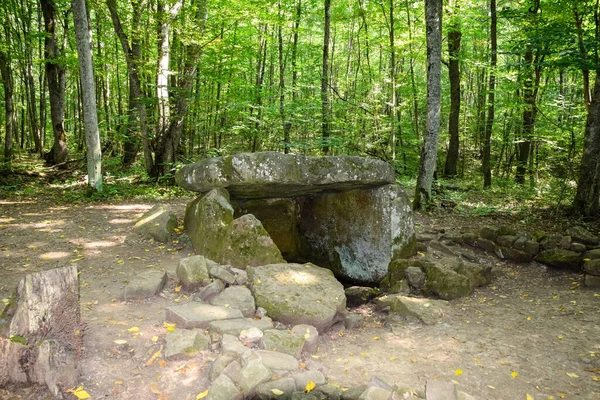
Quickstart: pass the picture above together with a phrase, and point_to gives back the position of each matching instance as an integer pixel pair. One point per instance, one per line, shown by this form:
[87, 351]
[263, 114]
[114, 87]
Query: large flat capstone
[272, 174]
[298, 294]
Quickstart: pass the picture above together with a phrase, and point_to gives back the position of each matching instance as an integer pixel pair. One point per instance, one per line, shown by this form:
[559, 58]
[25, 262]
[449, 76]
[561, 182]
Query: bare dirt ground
[532, 331]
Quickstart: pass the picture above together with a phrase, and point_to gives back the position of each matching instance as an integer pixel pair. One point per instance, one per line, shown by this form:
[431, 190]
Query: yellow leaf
[458, 372]
[306, 335]
[178, 289]
[276, 392]
[155, 388]
[120, 262]
[476, 360]
[375, 338]
[528, 318]
[455, 382]
[529, 397]
[120, 341]
[596, 378]
[155, 339]
[393, 358]
[491, 387]
[202, 395]
[310, 386]
[572, 375]
[79, 393]
[413, 360]
[514, 374]
[133, 329]
[118, 382]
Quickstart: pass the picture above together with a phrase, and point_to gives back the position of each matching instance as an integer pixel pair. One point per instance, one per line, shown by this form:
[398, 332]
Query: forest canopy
[180, 80]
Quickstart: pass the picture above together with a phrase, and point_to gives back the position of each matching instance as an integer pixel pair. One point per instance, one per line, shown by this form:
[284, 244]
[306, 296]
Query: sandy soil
[533, 331]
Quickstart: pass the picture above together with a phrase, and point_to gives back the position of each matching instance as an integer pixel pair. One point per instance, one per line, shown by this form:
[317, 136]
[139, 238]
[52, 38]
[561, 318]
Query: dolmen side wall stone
[342, 213]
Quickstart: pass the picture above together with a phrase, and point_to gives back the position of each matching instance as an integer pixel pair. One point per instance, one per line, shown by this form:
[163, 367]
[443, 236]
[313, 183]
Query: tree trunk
[325, 117]
[454, 38]
[88, 88]
[585, 70]
[55, 75]
[433, 20]
[393, 99]
[10, 122]
[487, 145]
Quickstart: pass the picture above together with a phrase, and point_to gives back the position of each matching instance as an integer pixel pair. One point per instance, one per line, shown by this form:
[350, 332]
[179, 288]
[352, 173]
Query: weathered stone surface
[329, 392]
[223, 388]
[396, 271]
[288, 342]
[488, 233]
[375, 393]
[310, 335]
[560, 258]
[531, 247]
[578, 247]
[428, 311]
[221, 272]
[10, 369]
[254, 372]
[519, 243]
[236, 325]
[218, 366]
[447, 283]
[197, 315]
[55, 365]
[209, 291]
[236, 297]
[354, 393]
[145, 285]
[302, 378]
[358, 233]
[250, 244]
[286, 385]
[440, 248]
[592, 267]
[299, 293]
[506, 240]
[357, 295]
[192, 272]
[251, 335]
[232, 347]
[478, 274]
[489, 246]
[469, 238]
[354, 321]
[158, 223]
[280, 219]
[234, 371]
[183, 343]
[591, 281]
[400, 287]
[208, 222]
[506, 230]
[277, 361]
[272, 174]
[565, 242]
[593, 254]
[581, 235]
[550, 242]
[440, 390]
[241, 276]
[415, 277]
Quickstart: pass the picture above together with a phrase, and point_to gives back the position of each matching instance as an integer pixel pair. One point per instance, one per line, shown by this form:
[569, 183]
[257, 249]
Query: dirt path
[532, 331]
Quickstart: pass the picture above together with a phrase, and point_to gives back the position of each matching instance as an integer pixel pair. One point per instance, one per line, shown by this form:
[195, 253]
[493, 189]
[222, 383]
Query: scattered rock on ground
[560, 258]
[288, 342]
[145, 285]
[182, 343]
[197, 315]
[192, 272]
[158, 223]
[238, 297]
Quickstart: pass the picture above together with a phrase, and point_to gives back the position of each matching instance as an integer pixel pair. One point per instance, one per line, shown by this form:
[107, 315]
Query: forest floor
[532, 331]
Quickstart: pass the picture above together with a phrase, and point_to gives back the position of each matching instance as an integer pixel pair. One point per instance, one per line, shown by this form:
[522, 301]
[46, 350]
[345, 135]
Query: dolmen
[346, 214]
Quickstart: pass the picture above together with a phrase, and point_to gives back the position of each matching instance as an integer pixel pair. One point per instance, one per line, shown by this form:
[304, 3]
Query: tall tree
[454, 39]
[325, 106]
[489, 123]
[56, 78]
[433, 21]
[10, 122]
[90, 115]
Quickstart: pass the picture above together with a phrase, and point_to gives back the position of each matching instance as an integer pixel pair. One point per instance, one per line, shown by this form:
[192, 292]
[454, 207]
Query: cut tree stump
[41, 331]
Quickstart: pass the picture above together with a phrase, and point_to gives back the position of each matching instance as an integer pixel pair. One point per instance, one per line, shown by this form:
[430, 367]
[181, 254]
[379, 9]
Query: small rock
[441, 248]
[238, 297]
[427, 311]
[251, 335]
[519, 243]
[415, 277]
[565, 242]
[469, 238]
[158, 223]
[209, 291]
[198, 315]
[531, 247]
[464, 396]
[232, 347]
[591, 281]
[260, 312]
[183, 343]
[253, 373]
[506, 240]
[235, 326]
[302, 378]
[582, 235]
[218, 366]
[354, 393]
[286, 385]
[276, 361]
[592, 267]
[234, 371]
[241, 276]
[145, 285]
[221, 272]
[329, 392]
[440, 390]
[578, 247]
[358, 295]
[593, 254]
[310, 335]
[380, 383]
[488, 233]
[560, 258]
[447, 283]
[489, 246]
[223, 388]
[192, 272]
[287, 342]
[516, 255]
[375, 393]
[505, 230]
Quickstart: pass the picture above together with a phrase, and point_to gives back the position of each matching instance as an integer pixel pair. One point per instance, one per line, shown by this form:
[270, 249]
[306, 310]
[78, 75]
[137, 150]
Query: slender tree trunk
[287, 126]
[90, 115]
[393, 102]
[412, 74]
[325, 107]
[10, 122]
[454, 38]
[487, 145]
[585, 70]
[433, 20]
[55, 75]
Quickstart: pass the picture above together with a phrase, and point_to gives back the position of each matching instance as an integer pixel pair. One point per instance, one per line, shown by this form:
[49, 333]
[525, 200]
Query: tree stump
[41, 331]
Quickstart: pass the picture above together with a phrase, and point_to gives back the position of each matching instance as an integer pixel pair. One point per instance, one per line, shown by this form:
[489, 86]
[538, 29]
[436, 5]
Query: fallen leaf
[120, 341]
[178, 289]
[375, 338]
[514, 374]
[560, 337]
[79, 393]
[133, 329]
[162, 363]
[118, 382]
[572, 375]
[491, 387]
[202, 395]
[393, 358]
[154, 339]
[458, 372]
[155, 388]
[154, 357]
[529, 397]
[455, 382]
[276, 392]
[309, 386]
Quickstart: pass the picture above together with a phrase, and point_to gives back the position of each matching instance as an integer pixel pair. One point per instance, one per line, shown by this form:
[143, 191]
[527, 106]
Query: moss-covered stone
[158, 223]
[192, 272]
[250, 244]
[447, 283]
[560, 258]
[287, 342]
